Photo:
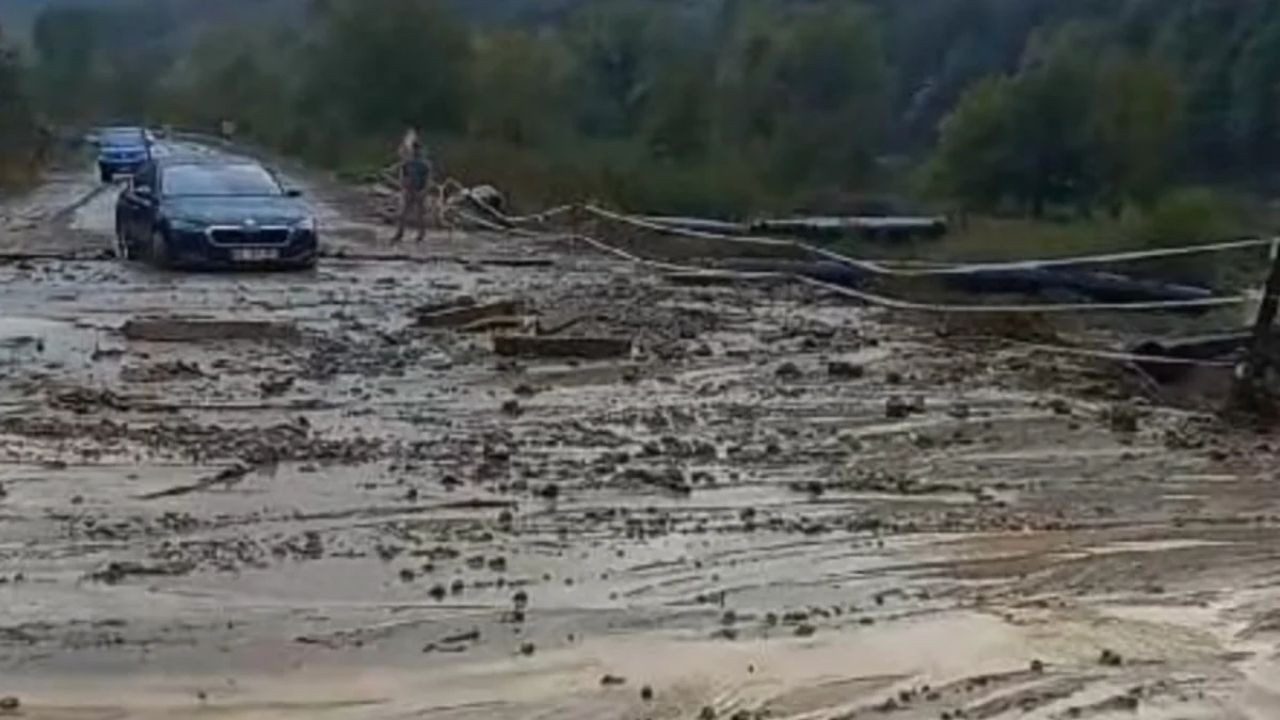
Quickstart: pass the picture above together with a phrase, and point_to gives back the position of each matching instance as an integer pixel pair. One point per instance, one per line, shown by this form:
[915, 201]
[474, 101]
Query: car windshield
[219, 180]
[123, 138]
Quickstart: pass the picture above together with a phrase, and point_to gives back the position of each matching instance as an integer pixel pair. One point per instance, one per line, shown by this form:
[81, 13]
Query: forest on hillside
[1040, 108]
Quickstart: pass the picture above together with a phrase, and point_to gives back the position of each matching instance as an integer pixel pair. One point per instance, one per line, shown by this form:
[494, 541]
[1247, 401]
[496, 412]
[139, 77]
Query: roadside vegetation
[1055, 124]
[17, 122]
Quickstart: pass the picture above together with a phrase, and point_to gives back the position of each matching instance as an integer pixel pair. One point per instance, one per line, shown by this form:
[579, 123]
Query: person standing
[414, 175]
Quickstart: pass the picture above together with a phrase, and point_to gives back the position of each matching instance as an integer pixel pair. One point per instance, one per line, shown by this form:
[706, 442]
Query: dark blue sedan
[210, 214]
[121, 150]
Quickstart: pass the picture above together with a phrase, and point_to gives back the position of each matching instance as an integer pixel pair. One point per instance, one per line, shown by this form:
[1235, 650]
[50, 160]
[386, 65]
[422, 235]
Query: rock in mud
[612, 680]
[1110, 658]
[788, 371]
[669, 479]
[844, 370]
[897, 408]
[646, 693]
[116, 572]
[1123, 418]
[9, 704]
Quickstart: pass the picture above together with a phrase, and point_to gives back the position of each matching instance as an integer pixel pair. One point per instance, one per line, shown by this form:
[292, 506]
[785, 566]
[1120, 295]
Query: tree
[380, 65]
[66, 42]
[612, 44]
[1137, 126]
[17, 124]
[518, 89]
[809, 89]
[1255, 105]
[975, 163]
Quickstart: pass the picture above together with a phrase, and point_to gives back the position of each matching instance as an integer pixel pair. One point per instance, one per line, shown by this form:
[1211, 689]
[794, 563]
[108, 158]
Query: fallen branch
[228, 477]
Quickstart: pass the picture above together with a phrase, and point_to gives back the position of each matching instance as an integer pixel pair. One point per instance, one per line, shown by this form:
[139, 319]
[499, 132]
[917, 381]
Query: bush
[1193, 216]
[1187, 217]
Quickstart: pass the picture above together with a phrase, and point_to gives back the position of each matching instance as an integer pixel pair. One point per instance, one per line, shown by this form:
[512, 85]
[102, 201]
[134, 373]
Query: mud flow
[342, 494]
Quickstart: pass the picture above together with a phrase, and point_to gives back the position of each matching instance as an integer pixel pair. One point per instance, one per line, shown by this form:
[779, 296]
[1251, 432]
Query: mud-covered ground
[781, 505]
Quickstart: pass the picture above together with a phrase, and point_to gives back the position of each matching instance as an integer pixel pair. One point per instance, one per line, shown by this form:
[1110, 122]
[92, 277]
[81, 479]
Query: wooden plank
[468, 314]
[591, 348]
[173, 330]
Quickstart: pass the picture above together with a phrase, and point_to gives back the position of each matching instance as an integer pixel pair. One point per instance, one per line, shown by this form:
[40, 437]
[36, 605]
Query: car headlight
[307, 225]
[184, 225]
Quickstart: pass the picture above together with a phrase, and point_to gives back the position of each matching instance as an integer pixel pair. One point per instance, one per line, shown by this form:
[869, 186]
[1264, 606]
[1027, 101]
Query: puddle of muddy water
[26, 340]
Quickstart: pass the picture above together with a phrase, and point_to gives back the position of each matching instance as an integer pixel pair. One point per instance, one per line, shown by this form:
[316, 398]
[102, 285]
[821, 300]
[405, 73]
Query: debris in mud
[528, 649]
[453, 643]
[463, 315]
[845, 370]
[646, 693]
[511, 407]
[227, 477]
[898, 408]
[83, 401]
[788, 371]
[276, 387]
[1110, 658]
[1027, 327]
[1123, 418]
[162, 372]
[117, 571]
[173, 330]
[589, 348]
[9, 703]
[612, 680]
[668, 479]
[707, 713]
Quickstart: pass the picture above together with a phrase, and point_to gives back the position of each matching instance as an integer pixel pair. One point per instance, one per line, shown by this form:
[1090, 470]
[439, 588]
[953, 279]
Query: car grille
[240, 236]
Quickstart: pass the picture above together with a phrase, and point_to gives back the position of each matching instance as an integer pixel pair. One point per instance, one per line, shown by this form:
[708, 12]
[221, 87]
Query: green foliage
[1071, 128]
[1035, 107]
[17, 123]
[518, 90]
[1188, 216]
[1137, 125]
[975, 164]
[379, 65]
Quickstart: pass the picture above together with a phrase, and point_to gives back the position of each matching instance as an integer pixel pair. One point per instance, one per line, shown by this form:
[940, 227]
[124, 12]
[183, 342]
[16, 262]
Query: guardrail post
[1251, 392]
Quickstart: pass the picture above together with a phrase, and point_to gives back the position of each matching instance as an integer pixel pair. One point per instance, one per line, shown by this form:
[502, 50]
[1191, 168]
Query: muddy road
[286, 496]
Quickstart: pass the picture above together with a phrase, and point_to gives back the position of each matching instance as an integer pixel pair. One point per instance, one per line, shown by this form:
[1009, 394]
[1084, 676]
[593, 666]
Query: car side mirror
[293, 193]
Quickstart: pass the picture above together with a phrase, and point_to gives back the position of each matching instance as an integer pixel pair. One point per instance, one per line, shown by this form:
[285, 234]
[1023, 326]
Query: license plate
[255, 254]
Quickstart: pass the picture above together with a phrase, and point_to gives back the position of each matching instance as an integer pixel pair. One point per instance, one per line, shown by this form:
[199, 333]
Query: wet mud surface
[288, 496]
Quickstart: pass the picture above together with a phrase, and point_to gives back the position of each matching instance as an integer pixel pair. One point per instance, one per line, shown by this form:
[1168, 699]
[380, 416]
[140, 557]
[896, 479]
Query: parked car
[213, 213]
[121, 150]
